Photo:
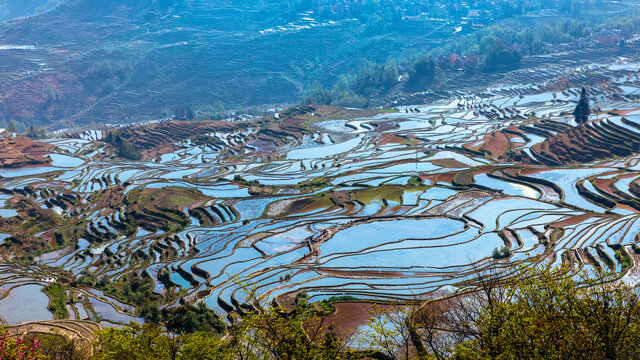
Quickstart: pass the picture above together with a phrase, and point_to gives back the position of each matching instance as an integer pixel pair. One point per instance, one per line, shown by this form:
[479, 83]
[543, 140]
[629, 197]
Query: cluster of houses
[473, 12]
[467, 63]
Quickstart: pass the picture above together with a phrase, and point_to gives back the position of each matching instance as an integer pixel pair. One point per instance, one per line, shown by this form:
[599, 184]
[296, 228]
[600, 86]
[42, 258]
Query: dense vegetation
[14, 9]
[495, 48]
[369, 11]
[530, 314]
[12, 348]
[188, 319]
[123, 147]
[582, 110]
[300, 44]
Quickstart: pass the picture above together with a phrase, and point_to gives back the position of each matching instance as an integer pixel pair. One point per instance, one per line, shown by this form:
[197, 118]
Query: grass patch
[622, 259]
[367, 196]
[502, 253]
[57, 300]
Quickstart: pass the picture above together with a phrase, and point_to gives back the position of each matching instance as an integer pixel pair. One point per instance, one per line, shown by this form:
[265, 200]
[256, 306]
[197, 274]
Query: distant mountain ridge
[11, 9]
[111, 61]
[114, 61]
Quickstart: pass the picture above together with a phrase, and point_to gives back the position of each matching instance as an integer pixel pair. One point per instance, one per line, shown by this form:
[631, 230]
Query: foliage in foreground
[538, 314]
[18, 348]
[266, 335]
[532, 314]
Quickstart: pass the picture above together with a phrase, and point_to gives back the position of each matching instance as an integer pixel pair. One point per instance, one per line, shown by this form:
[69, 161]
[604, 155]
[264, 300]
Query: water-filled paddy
[359, 237]
[25, 303]
[324, 151]
[330, 211]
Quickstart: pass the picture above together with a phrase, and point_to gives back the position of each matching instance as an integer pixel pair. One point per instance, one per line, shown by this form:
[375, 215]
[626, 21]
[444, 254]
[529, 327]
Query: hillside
[14, 9]
[113, 61]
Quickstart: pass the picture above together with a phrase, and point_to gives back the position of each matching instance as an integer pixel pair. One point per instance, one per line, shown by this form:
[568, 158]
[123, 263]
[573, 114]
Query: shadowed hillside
[96, 61]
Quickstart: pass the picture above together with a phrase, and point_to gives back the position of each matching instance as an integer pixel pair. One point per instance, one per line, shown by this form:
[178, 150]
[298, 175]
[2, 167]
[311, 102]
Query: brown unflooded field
[17, 152]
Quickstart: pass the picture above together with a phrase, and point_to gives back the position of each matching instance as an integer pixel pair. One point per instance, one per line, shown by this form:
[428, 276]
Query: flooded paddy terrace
[387, 206]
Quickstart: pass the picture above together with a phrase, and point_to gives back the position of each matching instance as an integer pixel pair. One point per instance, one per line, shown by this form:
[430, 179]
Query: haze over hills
[90, 61]
[14, 9]
[235, 175]
[107, 61]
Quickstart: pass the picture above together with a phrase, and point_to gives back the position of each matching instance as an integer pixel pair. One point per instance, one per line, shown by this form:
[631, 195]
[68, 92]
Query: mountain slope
[11, 9]
[111, 61]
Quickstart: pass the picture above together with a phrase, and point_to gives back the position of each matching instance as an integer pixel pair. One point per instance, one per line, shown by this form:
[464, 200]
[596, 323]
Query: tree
[486, 44]
[180, 112]
[390, 331]
[191, 113]
[390, 75]
[36, 132]
[13, 127]
[51, 95]
[422, 72]
[57, 346]
[582, 111]
[532, 314]
[350, 99]
[271, 333]
[263, 334]
[317, 94]
[501, 56]
[187, 319]
[18, 348]
[513, 313]
[123, 147]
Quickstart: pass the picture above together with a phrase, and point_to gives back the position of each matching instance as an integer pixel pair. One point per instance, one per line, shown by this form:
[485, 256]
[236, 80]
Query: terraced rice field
[385, 207]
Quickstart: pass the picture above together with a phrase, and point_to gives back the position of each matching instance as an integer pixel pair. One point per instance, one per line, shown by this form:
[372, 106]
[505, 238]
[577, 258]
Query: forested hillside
[90, 61]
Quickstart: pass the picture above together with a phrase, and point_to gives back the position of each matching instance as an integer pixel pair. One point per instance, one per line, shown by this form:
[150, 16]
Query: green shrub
[502, 253]
[57, 300]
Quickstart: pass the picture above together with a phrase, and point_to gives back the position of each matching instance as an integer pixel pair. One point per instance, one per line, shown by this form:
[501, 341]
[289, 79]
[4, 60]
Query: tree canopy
[514, 314]
[582, 111]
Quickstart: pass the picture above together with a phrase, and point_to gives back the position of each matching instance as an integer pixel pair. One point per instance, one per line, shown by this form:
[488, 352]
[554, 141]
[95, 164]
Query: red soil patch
[485, 170]
[517, 145]
[386, 139]
[157, 151]
[531, 171]
[294, 123]
[628, 176]
[626, 207]
[603, 184]
[350, 316]
[571, 221]
[158, 135]
[385, 126]
[429, 179]
[582, 144]
[21, 151]
[513, 172]
[27, 99]
[49, 236]
[474, 146]
[449, 163]
[16, 199]
[496, 143]
[342, 197]
[447, 177]
[622, 112]
[518, 139]
[112, 198]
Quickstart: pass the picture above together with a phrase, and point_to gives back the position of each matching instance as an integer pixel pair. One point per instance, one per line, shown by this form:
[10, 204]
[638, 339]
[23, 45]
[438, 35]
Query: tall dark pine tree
[582, 110]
